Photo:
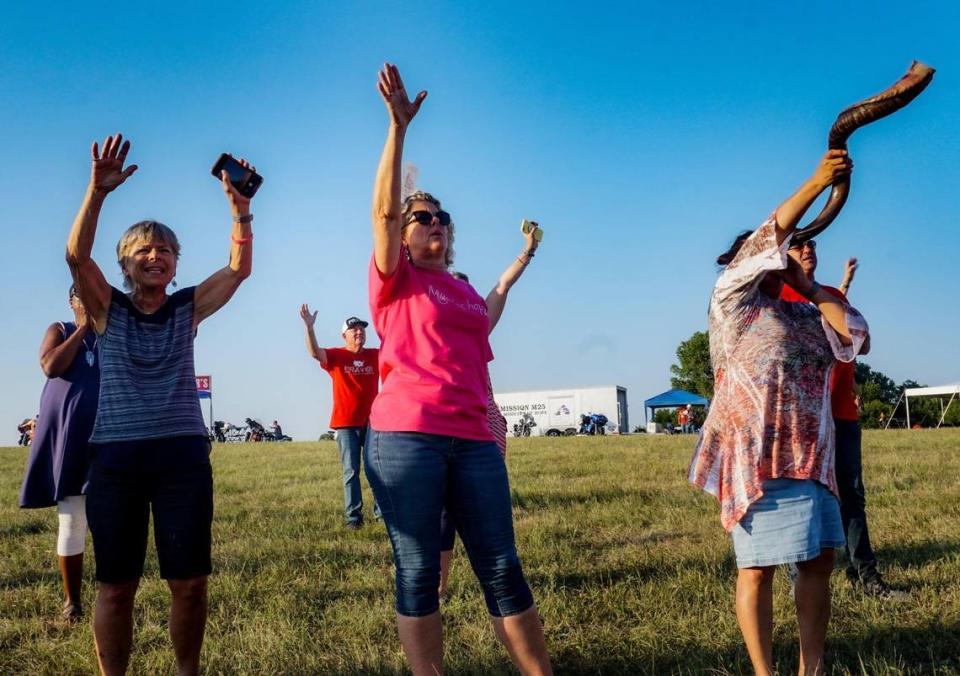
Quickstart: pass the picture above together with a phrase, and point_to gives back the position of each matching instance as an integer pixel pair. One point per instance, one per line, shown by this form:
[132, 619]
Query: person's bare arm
[833, 165]
[387, 204]
[849, 272]
[57, 354]
[216, 290]
[497, 298]
[106, 174]
[313, 349]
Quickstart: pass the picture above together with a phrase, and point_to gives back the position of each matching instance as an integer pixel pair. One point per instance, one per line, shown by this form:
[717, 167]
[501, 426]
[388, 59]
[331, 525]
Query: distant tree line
[879, 394]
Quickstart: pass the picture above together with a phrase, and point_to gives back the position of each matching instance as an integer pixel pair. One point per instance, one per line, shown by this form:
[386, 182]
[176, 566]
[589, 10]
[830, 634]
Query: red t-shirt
[355, 377]
[842, 381]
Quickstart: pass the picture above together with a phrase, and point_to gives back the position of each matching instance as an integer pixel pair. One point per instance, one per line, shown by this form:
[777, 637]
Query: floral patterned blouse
[770, 416]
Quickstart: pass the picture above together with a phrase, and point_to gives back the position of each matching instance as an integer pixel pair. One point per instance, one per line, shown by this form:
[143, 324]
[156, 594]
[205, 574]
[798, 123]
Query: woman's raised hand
[107, 171]
[531, 237]
[834, 165]
[308, 318]
[239, 204]
[401, 109]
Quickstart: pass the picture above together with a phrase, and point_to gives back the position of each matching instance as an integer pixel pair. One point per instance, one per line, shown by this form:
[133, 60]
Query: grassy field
[629, 565]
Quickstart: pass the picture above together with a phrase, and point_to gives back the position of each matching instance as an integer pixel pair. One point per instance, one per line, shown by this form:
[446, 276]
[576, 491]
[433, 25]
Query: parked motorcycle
[260, 433]
[228, 433]
[593, 423]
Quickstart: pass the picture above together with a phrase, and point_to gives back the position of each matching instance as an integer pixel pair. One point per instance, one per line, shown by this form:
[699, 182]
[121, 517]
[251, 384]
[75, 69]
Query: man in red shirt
[862, 568]
[355, 378]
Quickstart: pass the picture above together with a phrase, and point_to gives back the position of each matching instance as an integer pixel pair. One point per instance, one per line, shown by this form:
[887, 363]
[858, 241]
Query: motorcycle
[593, 423]
[524, 425]
[260, 433]
[228, 433]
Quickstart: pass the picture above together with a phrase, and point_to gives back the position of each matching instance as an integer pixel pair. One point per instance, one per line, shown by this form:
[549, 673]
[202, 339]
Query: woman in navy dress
[58, 460]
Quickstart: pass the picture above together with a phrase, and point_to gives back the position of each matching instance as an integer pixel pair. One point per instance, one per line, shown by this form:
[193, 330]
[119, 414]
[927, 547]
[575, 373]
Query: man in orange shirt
[862, 568]
[683, 417]
[355, 375]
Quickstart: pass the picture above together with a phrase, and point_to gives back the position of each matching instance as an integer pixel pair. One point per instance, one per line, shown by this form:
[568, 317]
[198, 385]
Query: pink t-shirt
[433, 353]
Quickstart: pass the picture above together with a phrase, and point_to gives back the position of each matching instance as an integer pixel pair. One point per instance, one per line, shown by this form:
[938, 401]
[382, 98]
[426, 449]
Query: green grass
[629, 565]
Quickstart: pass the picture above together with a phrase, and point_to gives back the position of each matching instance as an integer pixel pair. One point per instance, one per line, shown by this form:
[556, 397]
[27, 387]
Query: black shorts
[126, 480]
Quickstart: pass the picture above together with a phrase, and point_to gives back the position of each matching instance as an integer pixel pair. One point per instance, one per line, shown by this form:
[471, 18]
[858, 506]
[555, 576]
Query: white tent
[950, 392]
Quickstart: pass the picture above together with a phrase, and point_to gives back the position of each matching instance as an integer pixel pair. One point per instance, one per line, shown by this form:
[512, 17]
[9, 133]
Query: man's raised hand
[308, 318]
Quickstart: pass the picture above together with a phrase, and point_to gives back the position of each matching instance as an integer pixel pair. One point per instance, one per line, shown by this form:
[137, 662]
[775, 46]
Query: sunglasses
[800, 245]
[424, 217]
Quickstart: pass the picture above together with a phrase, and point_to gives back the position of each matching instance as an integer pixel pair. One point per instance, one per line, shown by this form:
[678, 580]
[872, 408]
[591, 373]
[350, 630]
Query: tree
[873, 413]
[875, 386]
[694, 373]
[665, 416]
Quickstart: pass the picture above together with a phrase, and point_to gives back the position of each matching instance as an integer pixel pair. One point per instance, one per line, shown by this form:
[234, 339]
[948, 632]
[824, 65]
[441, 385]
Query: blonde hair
[422, 196]
[136, 233]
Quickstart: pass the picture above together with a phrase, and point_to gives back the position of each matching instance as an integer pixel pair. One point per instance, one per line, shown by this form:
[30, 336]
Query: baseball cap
[352, 322]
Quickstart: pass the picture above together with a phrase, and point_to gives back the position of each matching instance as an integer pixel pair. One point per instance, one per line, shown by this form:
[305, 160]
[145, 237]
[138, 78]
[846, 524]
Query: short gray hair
[422, 196]
[144, 230]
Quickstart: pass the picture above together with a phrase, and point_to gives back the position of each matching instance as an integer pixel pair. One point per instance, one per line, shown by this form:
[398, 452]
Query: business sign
[204, 387]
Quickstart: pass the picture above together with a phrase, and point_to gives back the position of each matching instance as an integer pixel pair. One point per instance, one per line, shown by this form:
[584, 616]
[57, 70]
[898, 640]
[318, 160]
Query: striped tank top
[148, 388]
[495, 420]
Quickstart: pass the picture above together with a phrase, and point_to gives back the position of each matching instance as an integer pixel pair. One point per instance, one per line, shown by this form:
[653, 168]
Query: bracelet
[247, 218]
[241, 240]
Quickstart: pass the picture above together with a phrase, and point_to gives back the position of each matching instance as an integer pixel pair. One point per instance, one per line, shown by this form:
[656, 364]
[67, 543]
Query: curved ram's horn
[890, 100]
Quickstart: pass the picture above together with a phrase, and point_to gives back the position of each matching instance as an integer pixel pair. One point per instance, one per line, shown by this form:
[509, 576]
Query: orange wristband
[241, 240]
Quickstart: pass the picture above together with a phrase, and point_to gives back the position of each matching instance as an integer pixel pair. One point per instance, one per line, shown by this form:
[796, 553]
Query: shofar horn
[890, 100]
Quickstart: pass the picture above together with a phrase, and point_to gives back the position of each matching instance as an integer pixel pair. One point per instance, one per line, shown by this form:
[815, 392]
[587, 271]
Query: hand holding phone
[526, 226]
[245, 180]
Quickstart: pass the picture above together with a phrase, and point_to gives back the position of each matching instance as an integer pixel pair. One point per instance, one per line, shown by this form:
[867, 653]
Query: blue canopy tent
[672, 399]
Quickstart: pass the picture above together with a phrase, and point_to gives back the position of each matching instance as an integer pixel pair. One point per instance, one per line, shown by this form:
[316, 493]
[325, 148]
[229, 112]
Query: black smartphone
[246, 181]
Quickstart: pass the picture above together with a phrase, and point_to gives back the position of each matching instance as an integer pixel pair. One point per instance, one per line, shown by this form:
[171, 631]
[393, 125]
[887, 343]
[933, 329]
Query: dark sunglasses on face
[800, 245]
[424, 217]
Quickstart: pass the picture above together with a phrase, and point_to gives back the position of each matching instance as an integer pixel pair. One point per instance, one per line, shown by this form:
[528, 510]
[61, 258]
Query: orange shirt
[355, 377]
[842, 381]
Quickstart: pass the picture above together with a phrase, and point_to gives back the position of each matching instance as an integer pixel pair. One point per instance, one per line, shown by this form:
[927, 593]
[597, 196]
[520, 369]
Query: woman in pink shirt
[430, 442]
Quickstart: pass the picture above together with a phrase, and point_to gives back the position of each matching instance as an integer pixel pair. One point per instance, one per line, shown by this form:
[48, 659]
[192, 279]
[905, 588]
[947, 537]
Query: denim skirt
[791, 522]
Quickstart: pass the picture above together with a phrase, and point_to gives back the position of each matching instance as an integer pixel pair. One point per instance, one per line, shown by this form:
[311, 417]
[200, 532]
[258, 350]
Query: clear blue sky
[642, 137]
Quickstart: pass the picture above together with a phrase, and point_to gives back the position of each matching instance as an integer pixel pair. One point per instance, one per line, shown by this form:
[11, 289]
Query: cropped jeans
[413, 477]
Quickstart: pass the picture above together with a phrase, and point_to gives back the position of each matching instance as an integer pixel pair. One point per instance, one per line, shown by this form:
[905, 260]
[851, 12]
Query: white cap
[351, 322]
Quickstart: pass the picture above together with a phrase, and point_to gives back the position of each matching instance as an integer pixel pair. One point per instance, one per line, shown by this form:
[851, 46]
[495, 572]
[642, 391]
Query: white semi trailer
[557, 412]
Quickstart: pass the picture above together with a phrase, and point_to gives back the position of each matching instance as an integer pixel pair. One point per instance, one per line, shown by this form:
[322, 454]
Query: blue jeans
[351, 440]
[853, 502]
[414, 476]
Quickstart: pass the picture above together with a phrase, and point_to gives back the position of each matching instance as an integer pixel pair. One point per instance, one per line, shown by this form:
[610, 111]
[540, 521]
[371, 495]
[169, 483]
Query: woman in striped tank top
[150, 444]
[496, 302]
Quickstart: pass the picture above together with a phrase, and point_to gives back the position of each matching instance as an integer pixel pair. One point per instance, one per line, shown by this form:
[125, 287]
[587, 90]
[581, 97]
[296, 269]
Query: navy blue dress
[59, 459]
